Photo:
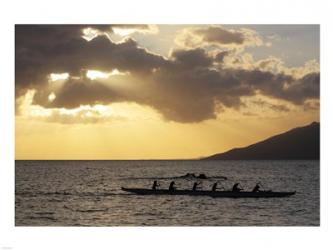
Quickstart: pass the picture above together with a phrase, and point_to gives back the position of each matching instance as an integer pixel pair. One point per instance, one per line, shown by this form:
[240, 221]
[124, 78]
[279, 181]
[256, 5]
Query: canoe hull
[216, 194]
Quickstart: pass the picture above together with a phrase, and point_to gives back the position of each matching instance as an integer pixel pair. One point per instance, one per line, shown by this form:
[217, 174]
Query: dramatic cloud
[218, 36]
[122, 30]
[42, 50]
[85, 114]
[270, 64]
[189, 86]
[219, 57]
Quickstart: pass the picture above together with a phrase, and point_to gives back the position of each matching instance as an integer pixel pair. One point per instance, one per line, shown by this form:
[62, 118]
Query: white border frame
[162, 12]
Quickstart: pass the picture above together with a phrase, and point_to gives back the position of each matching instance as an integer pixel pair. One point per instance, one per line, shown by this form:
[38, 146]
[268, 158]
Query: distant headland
[302, 143]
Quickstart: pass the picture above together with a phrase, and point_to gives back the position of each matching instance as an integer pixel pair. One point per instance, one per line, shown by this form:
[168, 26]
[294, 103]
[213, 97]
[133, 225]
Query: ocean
[88, 193]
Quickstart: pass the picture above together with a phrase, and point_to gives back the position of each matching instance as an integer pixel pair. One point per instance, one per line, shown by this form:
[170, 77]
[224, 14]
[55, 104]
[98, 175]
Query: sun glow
[90, 33]
[51, 97]
[53, 77]
[118, 130]
[94, 74]
[123, 32]
[28, 110]
[84, 114]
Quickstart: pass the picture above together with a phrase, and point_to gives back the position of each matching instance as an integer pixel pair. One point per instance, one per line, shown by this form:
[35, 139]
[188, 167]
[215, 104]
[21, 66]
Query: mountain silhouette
[302, 143]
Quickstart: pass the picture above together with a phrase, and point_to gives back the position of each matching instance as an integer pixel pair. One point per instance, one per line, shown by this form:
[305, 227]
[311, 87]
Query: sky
[160, 91]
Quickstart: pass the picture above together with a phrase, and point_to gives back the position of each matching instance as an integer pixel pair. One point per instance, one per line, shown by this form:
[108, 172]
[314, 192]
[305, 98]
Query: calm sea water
[87, 193]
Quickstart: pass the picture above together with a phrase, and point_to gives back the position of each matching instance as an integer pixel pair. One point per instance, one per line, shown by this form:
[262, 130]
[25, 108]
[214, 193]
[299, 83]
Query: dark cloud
[191, 58]
[220, 35]
[41, 50]
[184, 88]
[219, 57]
[285, 87]
[79, 92]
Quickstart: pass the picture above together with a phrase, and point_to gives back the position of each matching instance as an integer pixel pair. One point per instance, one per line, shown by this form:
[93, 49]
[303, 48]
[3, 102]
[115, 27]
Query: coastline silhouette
[301, 143]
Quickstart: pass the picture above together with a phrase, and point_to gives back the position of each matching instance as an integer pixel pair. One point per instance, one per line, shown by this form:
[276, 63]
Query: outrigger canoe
[215, 194]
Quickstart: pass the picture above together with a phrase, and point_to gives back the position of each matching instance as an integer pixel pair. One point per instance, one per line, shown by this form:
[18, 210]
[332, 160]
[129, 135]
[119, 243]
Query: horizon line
[165, 159]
